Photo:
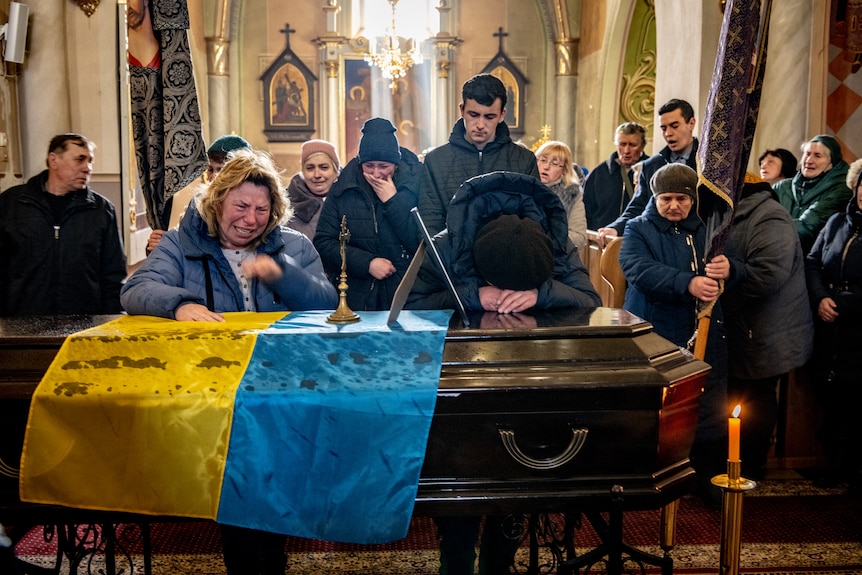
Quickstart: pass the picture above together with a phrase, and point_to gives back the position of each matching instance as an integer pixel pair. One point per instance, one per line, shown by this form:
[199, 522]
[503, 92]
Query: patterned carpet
[789, 527]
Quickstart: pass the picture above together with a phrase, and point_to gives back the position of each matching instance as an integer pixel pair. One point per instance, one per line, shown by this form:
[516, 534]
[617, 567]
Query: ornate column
[218, 71]
[566, 85]
[330, 45]
[444, 94]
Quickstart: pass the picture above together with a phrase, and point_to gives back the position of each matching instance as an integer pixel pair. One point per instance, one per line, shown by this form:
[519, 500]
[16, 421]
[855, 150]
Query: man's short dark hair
[675, 104]
[484, 88]
[60, 142]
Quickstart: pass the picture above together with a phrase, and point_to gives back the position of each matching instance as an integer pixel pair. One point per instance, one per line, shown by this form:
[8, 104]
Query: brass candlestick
[343, 313]
[733, 486]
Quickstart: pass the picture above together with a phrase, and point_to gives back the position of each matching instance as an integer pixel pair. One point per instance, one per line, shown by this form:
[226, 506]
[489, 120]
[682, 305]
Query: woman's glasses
[545, 161]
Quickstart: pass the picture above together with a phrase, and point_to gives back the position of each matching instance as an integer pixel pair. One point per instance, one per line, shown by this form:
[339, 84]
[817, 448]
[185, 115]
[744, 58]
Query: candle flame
[736, 410]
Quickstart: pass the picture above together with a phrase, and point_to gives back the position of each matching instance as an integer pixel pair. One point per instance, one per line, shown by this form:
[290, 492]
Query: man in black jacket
[479, 144]
[60, 246]
[611, 185]
[677, 122]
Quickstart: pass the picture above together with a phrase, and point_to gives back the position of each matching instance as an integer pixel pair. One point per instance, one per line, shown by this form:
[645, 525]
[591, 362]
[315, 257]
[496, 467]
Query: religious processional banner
[284, 423]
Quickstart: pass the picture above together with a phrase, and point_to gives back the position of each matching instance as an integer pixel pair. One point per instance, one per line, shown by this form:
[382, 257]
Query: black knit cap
[378, 143]
[513, 253]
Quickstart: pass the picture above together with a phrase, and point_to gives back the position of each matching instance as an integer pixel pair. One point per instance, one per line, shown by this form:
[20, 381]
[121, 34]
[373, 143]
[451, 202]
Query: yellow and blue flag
[284, 423]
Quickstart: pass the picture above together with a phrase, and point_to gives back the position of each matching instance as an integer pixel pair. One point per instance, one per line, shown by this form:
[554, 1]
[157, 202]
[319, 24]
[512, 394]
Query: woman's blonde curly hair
[244, 165]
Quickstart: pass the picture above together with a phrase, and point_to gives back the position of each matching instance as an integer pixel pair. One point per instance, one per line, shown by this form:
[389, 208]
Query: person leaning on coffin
[507, 250]
[232, 253]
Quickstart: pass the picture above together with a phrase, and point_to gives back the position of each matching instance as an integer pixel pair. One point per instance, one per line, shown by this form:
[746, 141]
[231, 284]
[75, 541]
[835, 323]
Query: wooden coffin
[557, 414]
[535, 417]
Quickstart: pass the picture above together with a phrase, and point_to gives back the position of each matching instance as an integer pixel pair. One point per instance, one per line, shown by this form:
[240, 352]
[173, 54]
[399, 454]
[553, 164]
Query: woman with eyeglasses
[564, 178]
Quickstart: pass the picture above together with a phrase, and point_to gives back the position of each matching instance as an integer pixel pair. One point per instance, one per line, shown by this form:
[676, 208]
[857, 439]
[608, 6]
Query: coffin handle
[507, 436]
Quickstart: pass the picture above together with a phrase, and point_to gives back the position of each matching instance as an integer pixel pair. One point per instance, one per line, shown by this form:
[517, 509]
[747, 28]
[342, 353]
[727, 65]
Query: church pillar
[45, 73]
[330, 46]
[444, 98]
[444, 93]
[218, 72]
[566, 86]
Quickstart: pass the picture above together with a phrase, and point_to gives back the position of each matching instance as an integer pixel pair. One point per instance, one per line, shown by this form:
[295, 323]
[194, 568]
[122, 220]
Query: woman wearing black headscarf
[818, 190]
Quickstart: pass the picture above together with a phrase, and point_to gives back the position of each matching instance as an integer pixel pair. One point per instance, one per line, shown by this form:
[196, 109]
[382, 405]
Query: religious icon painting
[502, 67]
[288, 97]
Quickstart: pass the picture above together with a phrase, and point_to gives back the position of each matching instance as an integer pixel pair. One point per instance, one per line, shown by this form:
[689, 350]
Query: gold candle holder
[733, 487]
[343, 313]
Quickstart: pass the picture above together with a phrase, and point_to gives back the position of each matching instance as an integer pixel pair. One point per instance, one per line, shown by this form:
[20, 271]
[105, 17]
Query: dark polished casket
[534, 413]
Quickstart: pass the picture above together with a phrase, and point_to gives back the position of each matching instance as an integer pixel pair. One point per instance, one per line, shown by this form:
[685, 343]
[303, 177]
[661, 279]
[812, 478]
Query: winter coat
[605, 196]
[377, 230]
[769, 325]
[833, 268]
[480, 200]
[452, 164]
[659, 258]
[306, 206]
[573, 202]
[643, 192]
[177, 271]
[74, 267]
[813, 201]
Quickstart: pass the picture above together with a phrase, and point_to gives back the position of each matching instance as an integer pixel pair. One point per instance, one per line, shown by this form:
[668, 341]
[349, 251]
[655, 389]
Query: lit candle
[733, 425]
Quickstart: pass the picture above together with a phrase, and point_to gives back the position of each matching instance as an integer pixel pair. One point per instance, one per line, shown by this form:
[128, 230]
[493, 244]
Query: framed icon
[288, 97]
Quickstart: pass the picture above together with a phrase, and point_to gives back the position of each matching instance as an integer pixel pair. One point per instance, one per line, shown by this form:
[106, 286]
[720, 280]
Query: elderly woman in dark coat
[833, 269]
[375, 192]
[662, 260]
[769, 325]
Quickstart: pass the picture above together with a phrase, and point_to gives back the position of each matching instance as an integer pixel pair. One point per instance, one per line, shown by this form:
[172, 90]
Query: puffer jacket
[659, 258]
[769, 325]
[377, 230]
[450, 165]
[74, 266]
[481, 199]
[177, 270]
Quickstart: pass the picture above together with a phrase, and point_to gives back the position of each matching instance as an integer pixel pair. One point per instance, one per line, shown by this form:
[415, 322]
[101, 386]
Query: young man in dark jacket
[479, 144]
[60, 246]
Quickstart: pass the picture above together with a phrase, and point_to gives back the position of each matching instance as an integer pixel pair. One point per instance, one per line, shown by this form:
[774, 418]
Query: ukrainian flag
[277, 422]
